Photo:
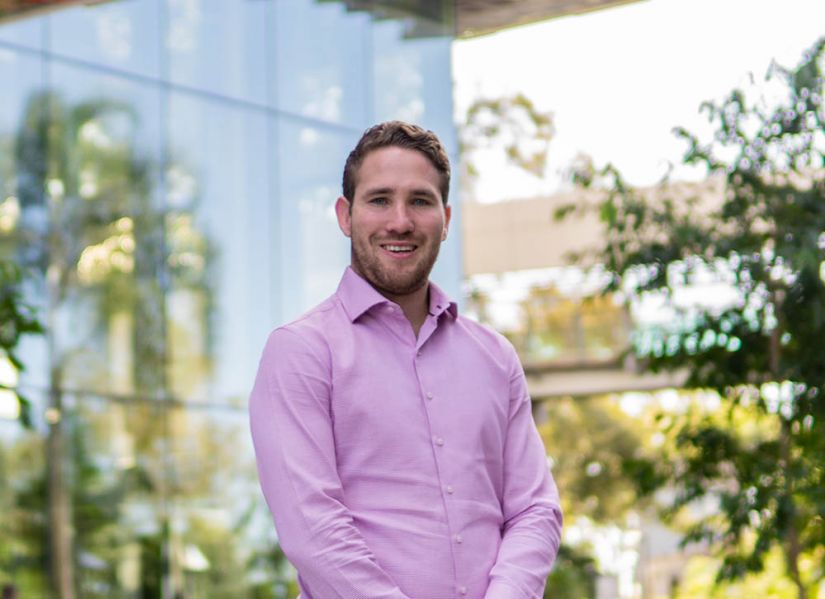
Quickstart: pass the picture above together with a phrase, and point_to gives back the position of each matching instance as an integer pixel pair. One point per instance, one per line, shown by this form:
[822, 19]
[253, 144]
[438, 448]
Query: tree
[17, 318]
[758, 465]
[99, 246]
[513, 123]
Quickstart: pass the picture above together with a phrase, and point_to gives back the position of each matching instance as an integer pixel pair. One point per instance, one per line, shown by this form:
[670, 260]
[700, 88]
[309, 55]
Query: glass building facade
[168, 170]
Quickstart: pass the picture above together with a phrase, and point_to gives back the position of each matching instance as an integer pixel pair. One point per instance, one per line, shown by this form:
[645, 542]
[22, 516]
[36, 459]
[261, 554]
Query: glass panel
[120, 35]
[23, 531]
[117, 480]
[105, 264]
[412, 79]
[27, 32]
[219, 226]
[23, 215]
[313, 251]
[221, 534]
[218, 50]
[323, 75]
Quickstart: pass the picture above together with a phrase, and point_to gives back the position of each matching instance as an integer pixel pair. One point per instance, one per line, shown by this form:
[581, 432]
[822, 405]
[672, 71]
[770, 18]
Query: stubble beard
[389, 282]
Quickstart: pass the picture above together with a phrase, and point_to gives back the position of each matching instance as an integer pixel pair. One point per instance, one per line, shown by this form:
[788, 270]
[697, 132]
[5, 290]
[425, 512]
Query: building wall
[168, 170]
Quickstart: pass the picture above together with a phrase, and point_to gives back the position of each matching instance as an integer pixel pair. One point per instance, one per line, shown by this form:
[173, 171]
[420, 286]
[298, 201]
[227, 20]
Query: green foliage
[516, 124]
[573, 577]
[759, 459]
[589, 467]
[17, 318]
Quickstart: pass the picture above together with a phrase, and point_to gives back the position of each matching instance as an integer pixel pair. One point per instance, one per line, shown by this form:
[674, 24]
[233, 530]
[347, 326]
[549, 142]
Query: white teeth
[399, 248]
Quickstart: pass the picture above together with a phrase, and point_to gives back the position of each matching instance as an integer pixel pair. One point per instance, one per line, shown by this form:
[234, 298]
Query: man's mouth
[399, 248]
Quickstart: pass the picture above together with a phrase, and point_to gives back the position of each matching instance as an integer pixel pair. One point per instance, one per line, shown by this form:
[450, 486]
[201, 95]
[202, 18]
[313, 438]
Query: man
[394, 438]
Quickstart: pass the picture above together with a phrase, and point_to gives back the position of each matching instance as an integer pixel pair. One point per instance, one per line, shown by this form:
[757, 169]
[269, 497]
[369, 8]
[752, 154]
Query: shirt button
[418, 353]
[462, 590]
[439, 441]
[429, 395]
[450, 489]
[459, 539]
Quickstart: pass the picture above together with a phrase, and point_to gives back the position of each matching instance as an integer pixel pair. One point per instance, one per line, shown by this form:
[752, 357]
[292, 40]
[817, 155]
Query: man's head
[394, 207]
[402, 135]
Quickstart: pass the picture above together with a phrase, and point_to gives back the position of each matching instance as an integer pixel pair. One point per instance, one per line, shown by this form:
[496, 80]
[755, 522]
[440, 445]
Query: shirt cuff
[499, 589]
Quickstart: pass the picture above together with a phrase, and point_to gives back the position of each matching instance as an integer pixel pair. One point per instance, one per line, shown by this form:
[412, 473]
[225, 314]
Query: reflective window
[221, 532]
[412, 79]
[23, 506]
[324, 75]
[23, 213]
[218, 235]
[105, 257]
[23, 32]
[119, 35]
[218, 50]
[313, 252]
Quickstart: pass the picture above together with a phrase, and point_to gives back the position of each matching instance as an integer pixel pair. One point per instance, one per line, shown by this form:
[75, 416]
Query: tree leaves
[17, 318]
[760, 348]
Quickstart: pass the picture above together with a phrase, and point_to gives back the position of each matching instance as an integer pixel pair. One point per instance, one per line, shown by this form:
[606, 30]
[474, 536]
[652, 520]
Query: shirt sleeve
[530, 504]
[292, 433]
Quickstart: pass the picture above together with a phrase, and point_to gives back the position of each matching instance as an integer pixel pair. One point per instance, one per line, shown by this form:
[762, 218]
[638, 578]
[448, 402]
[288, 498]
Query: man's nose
[401, 221]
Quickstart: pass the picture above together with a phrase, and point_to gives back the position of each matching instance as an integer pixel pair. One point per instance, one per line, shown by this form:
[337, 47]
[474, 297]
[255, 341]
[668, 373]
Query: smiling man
[394, 438]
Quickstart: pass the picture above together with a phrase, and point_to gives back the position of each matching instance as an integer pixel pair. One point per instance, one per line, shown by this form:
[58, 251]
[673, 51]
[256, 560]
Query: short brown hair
[402, 135]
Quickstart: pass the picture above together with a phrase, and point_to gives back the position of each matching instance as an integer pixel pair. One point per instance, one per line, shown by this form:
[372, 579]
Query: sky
[618, 80]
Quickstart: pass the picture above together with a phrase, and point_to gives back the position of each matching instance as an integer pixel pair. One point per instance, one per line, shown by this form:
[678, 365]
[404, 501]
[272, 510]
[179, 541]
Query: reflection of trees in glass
[17, 318]
[108, 254]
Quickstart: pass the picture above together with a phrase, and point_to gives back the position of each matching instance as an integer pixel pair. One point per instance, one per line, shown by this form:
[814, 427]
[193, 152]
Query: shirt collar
[358, 296]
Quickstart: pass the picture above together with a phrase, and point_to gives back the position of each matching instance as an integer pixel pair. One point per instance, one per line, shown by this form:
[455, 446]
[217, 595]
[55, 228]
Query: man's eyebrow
[418, 192]
[423, 192]
[378, 191]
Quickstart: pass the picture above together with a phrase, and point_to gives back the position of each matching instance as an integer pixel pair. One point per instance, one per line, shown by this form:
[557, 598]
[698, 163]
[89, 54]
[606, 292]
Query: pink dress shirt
[397, 467]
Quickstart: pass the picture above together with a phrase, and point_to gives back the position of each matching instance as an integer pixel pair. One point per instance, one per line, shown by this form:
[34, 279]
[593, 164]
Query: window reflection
[120, 35]
[102, 262]
[235, 65]
[218, 232]
[23, 32]
[412, 80]
[313, 251]
[23, 505]
[323, 75]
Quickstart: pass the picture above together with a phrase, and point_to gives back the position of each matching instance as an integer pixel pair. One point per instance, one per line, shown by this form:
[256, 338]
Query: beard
[389, 280]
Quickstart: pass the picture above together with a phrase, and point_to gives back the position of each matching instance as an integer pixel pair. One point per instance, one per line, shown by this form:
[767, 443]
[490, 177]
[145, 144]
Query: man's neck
[415, 305]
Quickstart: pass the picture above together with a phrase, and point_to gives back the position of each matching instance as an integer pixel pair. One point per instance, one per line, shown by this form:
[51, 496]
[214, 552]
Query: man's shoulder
[485, 335]
[312, 327]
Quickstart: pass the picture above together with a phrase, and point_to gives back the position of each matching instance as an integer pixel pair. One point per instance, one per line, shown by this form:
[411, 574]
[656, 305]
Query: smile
[399, 248]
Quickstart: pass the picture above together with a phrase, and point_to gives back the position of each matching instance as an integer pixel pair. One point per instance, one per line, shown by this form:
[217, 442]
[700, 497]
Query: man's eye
[421, 202]
[378, 201]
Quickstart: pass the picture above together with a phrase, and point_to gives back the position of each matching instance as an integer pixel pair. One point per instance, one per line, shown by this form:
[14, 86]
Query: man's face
[397, 220]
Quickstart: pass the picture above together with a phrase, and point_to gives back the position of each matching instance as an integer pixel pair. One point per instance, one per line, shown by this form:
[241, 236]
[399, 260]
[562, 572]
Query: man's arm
[289, 412]
[530, 504]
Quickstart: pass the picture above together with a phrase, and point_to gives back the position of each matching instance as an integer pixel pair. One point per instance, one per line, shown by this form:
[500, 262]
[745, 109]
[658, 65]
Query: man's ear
[448, 212]
[344, 214]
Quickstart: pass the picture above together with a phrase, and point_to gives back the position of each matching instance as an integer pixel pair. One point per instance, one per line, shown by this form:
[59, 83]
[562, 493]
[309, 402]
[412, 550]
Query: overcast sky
[619, 80]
